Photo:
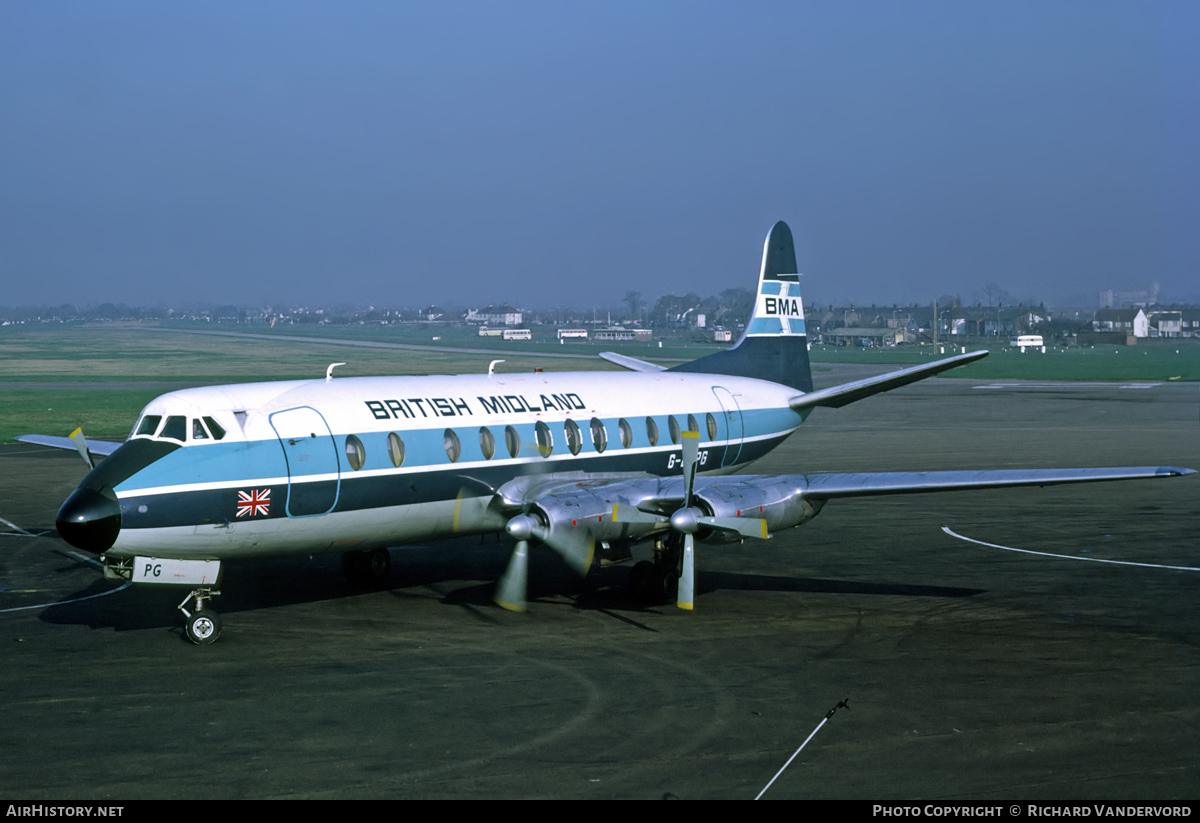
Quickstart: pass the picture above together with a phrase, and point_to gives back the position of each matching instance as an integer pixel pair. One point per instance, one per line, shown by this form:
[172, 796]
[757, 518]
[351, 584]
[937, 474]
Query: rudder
[774, 345]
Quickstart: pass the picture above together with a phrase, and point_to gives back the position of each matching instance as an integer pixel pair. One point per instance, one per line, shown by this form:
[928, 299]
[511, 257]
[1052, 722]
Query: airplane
[578, 461]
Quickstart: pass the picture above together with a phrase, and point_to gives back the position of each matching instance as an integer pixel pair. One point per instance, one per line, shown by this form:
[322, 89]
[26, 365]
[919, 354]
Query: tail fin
[774, 346]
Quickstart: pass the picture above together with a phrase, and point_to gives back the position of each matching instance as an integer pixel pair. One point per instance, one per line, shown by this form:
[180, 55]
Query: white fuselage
[358, 463]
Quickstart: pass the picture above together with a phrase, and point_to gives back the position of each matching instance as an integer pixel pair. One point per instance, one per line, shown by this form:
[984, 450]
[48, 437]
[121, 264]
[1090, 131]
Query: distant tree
[633, 302]
[994, 293]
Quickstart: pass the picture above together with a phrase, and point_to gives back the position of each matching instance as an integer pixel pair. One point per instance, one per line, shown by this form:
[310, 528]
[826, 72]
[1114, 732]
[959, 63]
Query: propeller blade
[510, 591]
[745, 526]
[81, 443]
[687, 578]
[630, 514]
[577, 547]
[457, 508]
[691, 448]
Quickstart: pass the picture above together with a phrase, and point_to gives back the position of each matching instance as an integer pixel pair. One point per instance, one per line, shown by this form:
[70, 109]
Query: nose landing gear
[202, 626]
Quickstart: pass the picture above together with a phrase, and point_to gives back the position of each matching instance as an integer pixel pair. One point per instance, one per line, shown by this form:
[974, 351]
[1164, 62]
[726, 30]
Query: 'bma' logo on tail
[786, 306]
[779, 310]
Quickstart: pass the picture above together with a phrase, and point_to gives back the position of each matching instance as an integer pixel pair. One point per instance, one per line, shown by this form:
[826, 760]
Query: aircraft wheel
[367, 568]
[641, 583]
[666, 586]
[203, 627]
[379, 563]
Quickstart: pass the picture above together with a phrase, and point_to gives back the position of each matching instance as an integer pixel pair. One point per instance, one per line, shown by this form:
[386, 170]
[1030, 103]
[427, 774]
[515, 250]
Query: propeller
[575, 547]
[688, 519]
[81, 444]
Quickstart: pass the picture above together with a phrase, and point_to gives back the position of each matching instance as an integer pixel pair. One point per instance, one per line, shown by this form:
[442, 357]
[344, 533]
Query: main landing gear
[655, 583]
[367, 569]
[202, 626]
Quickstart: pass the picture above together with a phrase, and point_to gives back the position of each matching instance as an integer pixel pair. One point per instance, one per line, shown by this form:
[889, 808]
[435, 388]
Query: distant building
[1132, 322]
[1189, 324]
[503, 315]
[1165, 323]
[860, 335]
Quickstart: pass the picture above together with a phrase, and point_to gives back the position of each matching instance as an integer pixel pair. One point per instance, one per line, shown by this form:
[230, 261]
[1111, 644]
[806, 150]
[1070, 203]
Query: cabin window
[512, 441]
[652, 431]
[673, 428]
[149, 424]
[545, 440]
[599, 434]
[453, 446]
[487, 443]
[218, 433]
[574, 437]
[198, 432]
[396, 449]
[355, 453]
[712, 427]
[693, 426]
[626, 432]
[175, 428]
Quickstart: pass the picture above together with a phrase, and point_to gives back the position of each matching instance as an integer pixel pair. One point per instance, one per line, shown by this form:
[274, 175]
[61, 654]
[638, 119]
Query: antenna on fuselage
[492, 366]
[329, 371]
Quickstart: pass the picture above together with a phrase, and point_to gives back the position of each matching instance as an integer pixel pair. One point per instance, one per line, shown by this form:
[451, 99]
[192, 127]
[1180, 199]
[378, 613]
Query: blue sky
[556, 153]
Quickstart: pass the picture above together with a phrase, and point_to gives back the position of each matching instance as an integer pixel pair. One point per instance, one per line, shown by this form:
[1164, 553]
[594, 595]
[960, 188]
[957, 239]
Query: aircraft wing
[101, 447]
[838, 396]
[631, 363]
[828, 486]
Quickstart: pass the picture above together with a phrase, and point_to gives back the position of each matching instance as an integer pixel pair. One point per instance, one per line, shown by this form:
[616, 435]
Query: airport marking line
[947, 530]
[19, 532]
[124, 585]
[1067, 384]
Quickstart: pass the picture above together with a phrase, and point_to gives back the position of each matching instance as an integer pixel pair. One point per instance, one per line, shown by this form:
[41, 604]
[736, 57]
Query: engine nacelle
[591, 508]
[778, 500]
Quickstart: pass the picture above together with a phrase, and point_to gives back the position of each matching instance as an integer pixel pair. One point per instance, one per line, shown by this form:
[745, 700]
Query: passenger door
[732, 429]
[314, 471]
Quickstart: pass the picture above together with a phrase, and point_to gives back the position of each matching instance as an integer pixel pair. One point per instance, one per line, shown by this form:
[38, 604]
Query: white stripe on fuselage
[577, 463]
[437, 401]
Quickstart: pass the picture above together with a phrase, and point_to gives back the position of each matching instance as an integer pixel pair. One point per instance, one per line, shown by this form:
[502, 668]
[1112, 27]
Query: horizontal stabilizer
[838, 396]
[101, 447]
[631, 363]
[829, 486]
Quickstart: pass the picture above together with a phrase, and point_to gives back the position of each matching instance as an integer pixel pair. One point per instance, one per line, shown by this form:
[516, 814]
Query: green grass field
[1156, 360]
[455, 335]
[65, 354]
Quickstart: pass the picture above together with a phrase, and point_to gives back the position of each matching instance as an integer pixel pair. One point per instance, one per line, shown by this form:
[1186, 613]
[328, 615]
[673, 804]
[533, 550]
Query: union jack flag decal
[254, 502]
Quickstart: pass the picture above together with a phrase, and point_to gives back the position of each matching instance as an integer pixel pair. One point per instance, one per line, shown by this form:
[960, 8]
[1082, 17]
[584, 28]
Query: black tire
[379, 563]
[666, 586]
[354, 566]
[367, 569]
[203, 627]
[640, 586]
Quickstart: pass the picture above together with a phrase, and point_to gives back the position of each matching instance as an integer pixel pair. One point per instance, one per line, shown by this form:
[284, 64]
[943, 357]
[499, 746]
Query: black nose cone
[89, 520]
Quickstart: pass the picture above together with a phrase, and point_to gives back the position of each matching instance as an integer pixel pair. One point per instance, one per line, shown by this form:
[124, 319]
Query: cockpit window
[218, 433]
[149, 424]
[175, 428]
[198, 432]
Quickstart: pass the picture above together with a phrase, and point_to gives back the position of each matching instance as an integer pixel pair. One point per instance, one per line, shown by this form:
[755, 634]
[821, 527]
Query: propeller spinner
[688, 519]
[575, 547]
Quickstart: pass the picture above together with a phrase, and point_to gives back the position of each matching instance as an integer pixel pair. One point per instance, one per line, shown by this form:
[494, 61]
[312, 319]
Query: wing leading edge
[631, 363]
[838, 396]
[829, 486]
[101, 447]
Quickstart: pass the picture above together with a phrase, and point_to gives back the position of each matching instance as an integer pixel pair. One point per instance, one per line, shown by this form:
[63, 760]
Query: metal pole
[845, 703]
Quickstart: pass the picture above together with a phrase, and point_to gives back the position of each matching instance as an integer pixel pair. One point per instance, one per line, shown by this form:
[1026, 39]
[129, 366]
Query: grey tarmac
[972, 673]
